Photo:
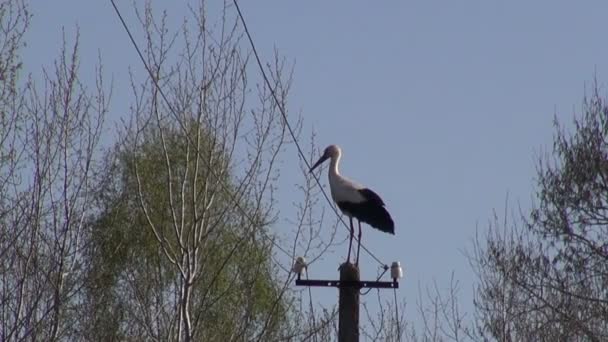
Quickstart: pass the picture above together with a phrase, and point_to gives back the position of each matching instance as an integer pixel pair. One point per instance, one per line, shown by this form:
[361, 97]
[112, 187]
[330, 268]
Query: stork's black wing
[370, 211]
[371, 196]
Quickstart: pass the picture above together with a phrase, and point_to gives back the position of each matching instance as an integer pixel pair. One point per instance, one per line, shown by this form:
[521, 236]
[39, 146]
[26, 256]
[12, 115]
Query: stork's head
[331, 151]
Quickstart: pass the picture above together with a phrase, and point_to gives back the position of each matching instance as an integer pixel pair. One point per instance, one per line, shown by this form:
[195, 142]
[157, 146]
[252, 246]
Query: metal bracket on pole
[345, 283]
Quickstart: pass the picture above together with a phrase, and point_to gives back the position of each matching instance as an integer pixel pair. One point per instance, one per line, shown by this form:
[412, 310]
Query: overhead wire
[397, 321]
[303, 157]
[291, 132]
[377, 279]
[279, 106]
[312, 312]
[232, 196]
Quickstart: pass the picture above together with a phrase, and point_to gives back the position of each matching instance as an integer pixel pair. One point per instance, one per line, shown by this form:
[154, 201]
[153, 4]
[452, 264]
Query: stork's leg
[359, 244]
[352, 233]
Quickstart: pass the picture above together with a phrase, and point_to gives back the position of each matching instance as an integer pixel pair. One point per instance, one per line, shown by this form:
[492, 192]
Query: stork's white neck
[333, 166]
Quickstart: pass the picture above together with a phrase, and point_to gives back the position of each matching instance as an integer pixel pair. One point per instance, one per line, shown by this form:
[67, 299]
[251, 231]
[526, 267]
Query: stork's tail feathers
[380, 219]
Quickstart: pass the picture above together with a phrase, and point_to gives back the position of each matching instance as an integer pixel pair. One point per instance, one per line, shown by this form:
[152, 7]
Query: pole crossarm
[346, 283]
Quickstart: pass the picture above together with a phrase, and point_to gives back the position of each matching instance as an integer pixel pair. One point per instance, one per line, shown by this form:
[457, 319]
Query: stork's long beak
[319, 162]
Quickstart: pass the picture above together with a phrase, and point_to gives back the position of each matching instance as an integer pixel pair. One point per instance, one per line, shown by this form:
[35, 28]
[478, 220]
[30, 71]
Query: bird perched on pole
[355, 200]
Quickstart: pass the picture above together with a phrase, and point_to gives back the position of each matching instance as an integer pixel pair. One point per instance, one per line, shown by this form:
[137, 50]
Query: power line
[281, 110]
[174, 112]
[397, 322]
[293, 136]
[312, 312]
[377, 279]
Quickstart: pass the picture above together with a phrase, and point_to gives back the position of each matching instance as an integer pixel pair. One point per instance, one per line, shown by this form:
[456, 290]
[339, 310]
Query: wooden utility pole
[348, 305]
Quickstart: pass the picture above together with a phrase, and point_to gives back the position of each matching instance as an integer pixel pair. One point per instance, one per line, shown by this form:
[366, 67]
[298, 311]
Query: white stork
[355, 200]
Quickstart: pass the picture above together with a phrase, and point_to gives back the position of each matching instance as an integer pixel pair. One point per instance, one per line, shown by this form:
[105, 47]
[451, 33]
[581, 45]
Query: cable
[281, 110]
[397, 322]
[293, 136]
[211, 171]
[312, 312]
[377, 279]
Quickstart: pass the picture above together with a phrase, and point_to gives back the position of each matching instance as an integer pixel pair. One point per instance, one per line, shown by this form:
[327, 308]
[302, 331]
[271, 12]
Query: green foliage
[236, 278]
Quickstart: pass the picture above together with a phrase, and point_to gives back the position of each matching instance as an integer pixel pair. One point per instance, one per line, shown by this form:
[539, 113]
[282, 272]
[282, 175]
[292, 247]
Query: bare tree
[14, 21]
[183, 242]
[50, 136]
[174, 234]
[546, 279]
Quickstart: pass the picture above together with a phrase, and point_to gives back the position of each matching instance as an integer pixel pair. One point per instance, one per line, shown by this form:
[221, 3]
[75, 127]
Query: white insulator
[396, 271]
[299, 265]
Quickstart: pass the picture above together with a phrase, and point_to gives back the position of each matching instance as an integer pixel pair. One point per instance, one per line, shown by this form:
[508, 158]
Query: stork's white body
[342, 188]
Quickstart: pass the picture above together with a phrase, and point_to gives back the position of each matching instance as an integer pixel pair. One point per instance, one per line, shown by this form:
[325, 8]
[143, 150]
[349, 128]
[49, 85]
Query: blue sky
[441, 107]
